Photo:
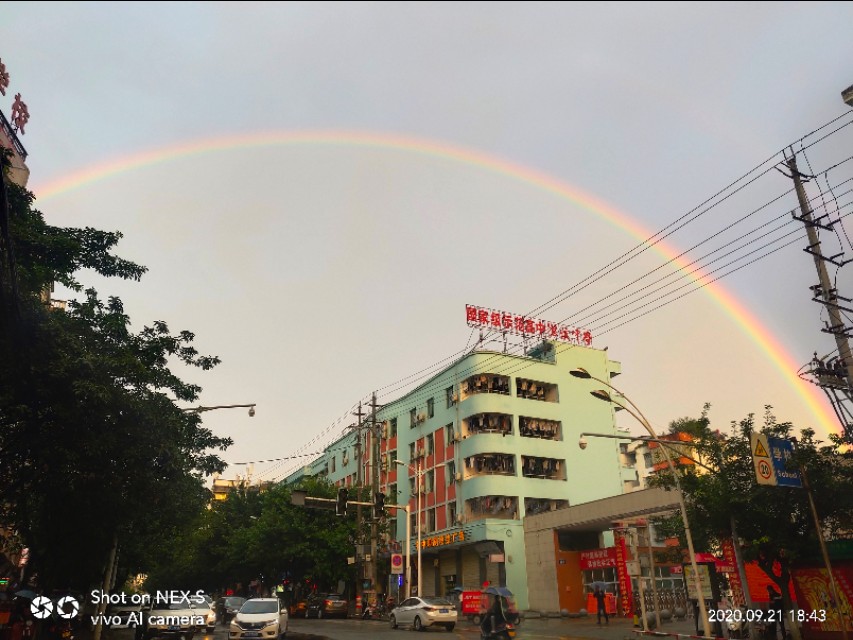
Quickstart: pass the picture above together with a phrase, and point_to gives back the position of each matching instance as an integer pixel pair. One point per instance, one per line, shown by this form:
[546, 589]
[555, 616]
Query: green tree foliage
[92, 445]
[252, 534]
[775, 524]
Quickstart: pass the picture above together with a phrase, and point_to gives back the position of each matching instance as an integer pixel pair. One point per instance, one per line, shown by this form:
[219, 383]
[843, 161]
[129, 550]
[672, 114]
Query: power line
[626, 257]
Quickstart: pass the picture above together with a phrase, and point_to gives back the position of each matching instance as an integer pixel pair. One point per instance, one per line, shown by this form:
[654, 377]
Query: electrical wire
[627, 257]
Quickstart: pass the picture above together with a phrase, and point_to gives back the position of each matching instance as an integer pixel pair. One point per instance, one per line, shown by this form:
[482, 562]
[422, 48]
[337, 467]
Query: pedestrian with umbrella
[598, 593]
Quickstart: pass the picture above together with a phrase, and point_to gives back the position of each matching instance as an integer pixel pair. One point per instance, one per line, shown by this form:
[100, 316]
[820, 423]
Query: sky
[318, 190]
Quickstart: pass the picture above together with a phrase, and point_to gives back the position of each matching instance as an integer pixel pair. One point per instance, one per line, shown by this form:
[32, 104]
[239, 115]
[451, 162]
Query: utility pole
[374, 525]
[835, 379]
[358, 559]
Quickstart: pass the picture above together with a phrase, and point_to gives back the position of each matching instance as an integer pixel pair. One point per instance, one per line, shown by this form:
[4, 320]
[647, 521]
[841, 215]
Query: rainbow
[748, 323]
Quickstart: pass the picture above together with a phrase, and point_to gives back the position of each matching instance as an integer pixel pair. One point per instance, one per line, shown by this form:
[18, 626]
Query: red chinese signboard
[626, 595]
[524, 326]
[597, 558]
[738, 596]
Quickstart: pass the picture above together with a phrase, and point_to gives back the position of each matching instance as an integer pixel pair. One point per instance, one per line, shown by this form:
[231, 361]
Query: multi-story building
[647, 458]
[487, 441]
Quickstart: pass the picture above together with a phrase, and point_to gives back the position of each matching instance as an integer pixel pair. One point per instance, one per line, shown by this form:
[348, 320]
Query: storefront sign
[626, 595]
[521, 325]
[704, 580]
[597, 558]
[440, 541]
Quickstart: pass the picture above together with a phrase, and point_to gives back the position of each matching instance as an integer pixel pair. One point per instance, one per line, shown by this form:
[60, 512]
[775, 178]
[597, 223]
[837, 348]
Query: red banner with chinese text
[738, 595]
[626, 595]
[597, 558]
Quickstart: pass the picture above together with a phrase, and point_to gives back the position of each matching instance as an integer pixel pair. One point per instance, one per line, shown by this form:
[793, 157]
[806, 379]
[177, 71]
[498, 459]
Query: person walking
[778, 608]
[601, 604]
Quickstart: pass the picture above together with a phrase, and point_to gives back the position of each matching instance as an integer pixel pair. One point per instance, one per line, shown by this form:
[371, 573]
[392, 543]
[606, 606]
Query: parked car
[323, 605]
[169, 620]
[420, 613]
[228, 607]
[259, 618]
[297, 609]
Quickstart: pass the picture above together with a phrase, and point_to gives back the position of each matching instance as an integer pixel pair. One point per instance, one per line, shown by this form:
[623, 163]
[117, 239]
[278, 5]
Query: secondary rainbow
[747, 322]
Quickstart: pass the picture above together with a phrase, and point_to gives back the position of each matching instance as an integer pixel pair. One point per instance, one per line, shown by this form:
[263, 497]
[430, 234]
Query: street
[530, 629]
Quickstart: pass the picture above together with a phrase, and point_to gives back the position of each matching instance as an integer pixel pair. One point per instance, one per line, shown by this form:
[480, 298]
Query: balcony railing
[12, 136]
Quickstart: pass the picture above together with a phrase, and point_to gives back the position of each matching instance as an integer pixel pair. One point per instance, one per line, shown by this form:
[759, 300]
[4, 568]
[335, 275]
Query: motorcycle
[504, 631]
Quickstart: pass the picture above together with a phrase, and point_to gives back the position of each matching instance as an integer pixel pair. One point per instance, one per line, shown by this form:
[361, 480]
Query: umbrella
[26, 593]
[498, 591]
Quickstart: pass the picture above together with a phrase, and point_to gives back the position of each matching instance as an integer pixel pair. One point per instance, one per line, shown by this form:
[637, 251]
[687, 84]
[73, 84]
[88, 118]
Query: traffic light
[341, 504]
[378, 505]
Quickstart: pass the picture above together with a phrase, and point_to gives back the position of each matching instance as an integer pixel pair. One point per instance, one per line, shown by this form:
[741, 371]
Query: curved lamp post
[418, 473]
[601, 394]
[225, 406]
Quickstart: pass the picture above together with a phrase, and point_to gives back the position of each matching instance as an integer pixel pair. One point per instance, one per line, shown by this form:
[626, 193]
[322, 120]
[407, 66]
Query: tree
[775, 524]
[93, 448]
[260, 533]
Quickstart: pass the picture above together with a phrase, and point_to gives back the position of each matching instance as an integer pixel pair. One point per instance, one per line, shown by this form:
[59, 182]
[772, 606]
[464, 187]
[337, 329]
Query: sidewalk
[587, 627]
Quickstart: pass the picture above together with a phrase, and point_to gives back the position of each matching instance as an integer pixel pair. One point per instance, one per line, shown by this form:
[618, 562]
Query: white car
[420, 613]
[170, 619]
[264, 618]
[203, 604]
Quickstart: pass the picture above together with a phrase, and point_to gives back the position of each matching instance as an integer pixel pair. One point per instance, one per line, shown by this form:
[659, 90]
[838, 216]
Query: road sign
[765, 472]
[781, 452]
[396, 563]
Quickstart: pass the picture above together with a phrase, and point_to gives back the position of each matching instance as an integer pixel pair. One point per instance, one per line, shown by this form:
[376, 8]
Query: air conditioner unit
[459, 519]
[458, 476]
[422, 417]
[345, 461]
[454, 397]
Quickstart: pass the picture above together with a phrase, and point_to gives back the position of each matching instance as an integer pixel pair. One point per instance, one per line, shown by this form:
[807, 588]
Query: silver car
[420, 613]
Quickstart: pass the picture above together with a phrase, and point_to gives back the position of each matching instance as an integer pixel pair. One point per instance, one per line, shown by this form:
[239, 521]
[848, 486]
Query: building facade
[486, 442]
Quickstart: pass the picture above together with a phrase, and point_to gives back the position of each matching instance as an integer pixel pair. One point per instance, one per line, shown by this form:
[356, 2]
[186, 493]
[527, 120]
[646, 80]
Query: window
[647, 459]
[451, 472]
[412, 487]
[392, 493]
[451, 514]
[451, 400]
[332, 468]
[430, 444]
[413, 525]
[413, 418]
[431, 520]
[411, 452]
[430, 407]
[392, 455]
[392, 428]
[429, 481]
[536, 390]
[485, 383]
[448, 433]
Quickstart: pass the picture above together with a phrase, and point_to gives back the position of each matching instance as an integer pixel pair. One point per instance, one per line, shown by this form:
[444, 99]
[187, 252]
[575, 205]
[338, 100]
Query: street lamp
[418, 474]
[225, 406]
[847, 96]
[601, 394]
